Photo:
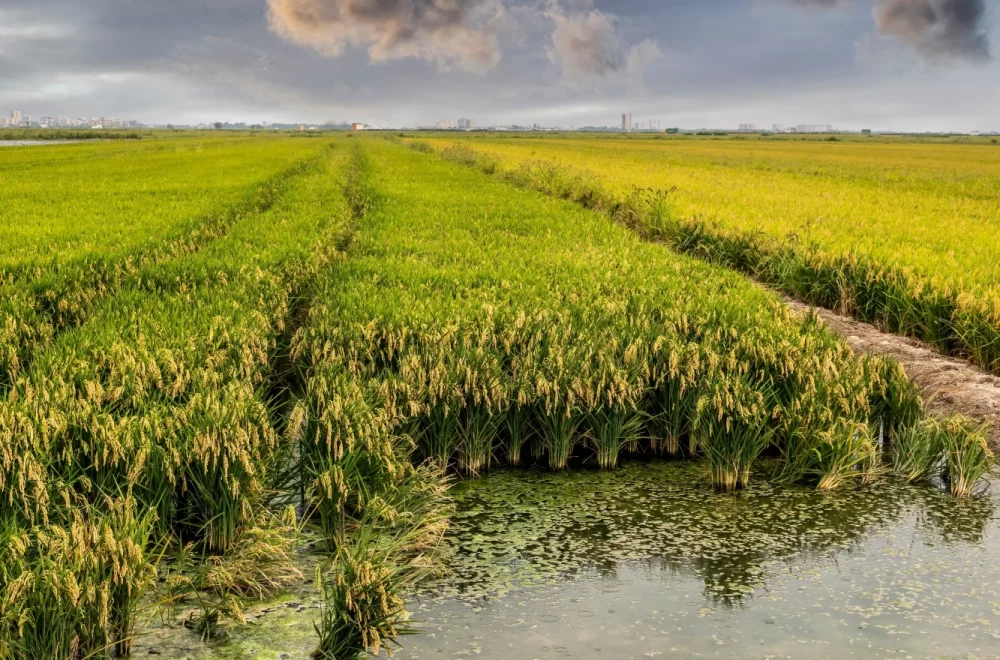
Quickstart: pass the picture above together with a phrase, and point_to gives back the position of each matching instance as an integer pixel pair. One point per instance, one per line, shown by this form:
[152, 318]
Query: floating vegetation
[516, 528]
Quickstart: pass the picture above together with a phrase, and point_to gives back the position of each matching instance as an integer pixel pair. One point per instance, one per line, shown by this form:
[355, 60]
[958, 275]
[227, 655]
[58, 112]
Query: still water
[649, 562]
[646, 562]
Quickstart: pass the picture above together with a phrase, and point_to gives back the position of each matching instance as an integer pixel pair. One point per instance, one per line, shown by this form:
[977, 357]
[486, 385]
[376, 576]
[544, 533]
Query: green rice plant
[478, 440]
[232, 445]
[258, 565]
[842, 454]
[363, 611]
[601, 342]
[558, 431]
[422, 147]
[671, 408]
[441, 434]
[611, 431]
[173, 209]
[164, 391]
[361, 196]
[73, 590]
[733, 440]
[731, 453]
[187, 585]
[896, 404]
[967, 455]
[387, 549]
[917, 451]
[517, 434]
[976, 322]
[348, 452]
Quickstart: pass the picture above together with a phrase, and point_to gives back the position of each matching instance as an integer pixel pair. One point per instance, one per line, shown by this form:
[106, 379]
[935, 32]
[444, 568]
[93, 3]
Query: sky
[906, 65]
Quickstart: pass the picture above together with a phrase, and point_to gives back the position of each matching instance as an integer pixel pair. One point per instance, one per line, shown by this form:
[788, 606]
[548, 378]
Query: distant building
[466, 124]
[627, 121]
[866, 131]
[357, 127]
[748, 128]
[445, 124]
[15, 118]
[813, 128]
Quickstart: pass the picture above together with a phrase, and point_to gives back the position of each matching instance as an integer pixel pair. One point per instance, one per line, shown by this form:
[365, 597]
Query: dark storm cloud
[459, 33]
[937, 28]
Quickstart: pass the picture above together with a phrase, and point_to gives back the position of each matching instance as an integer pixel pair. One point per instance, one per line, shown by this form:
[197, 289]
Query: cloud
[937, 29]
[586, 45]
[451, 33]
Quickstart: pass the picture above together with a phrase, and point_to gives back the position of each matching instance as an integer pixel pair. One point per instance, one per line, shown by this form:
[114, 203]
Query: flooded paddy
[647, 562]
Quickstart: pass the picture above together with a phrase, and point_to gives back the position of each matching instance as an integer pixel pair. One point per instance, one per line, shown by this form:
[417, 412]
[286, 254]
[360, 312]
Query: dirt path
[947, 384]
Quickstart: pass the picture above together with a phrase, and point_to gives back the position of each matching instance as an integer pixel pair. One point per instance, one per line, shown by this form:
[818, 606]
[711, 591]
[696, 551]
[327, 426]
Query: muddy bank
[947, 384]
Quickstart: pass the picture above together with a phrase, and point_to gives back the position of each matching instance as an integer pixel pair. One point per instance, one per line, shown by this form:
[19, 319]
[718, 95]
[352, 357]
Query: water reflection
[529, 527]
[651, 554]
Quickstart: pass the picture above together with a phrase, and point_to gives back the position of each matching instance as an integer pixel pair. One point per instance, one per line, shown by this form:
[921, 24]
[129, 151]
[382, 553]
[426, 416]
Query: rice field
[238, 352]
[902, 234]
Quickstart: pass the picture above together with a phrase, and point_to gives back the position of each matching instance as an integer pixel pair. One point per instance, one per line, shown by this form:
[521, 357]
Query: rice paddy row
[895, 234]
[80, 220]
[153, 423]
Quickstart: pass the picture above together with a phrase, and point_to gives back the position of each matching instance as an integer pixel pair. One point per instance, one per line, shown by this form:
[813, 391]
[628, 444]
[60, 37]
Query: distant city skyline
[628, 123]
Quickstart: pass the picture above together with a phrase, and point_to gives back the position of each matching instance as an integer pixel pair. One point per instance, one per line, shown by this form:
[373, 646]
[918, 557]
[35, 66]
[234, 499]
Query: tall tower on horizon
[626, 121]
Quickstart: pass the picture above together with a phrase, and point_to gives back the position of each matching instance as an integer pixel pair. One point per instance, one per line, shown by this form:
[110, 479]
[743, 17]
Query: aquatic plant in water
[611, 431]
[967, 454]
[917, 452]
